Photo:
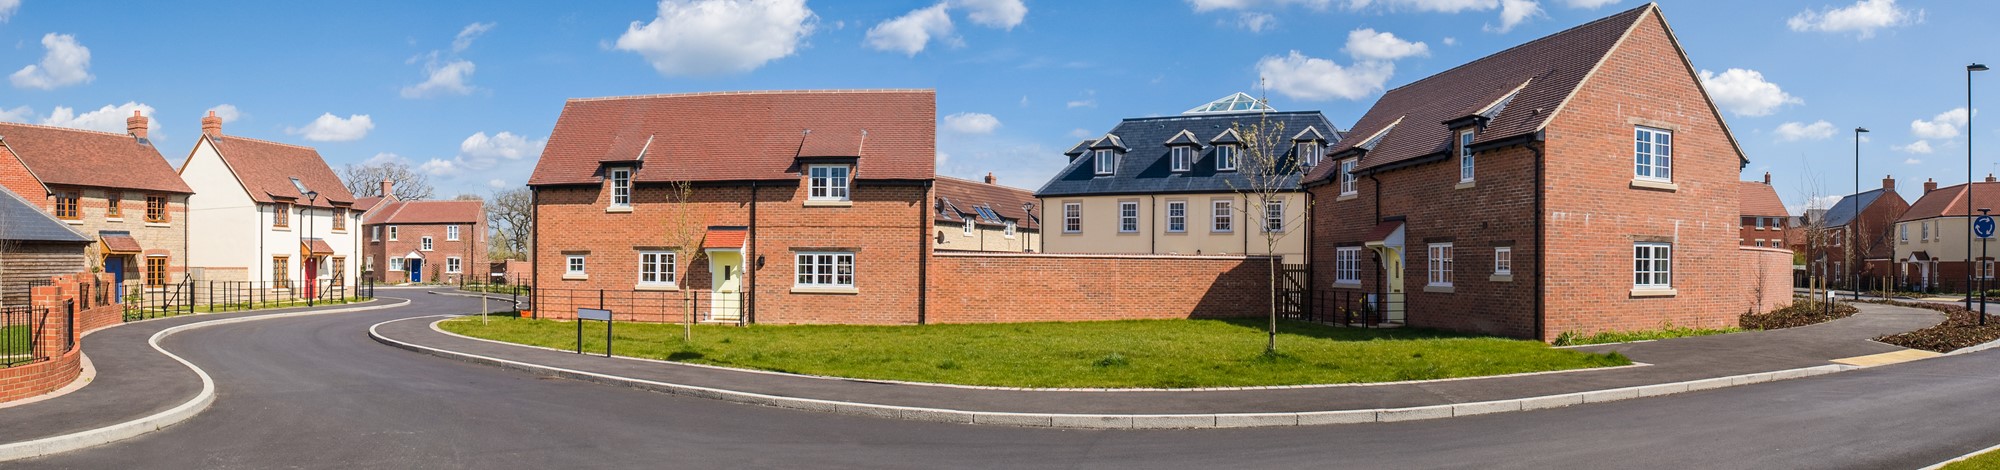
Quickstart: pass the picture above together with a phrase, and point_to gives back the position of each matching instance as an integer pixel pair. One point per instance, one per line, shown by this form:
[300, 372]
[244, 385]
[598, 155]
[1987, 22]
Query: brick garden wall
[29, 380]
[1771, 268]
[1013, 287]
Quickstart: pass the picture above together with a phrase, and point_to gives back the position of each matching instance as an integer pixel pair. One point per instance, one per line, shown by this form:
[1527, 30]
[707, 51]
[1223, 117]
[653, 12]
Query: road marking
[1887, 358]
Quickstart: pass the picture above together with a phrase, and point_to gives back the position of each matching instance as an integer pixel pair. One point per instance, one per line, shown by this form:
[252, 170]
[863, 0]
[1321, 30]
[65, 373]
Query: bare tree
[366, 180]
[468, 197]
[1269, 178]
[684, 232]
[1819, 238]
[511, 214]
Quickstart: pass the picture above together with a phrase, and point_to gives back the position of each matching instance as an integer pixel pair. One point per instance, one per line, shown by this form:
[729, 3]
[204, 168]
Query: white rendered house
[268, 212]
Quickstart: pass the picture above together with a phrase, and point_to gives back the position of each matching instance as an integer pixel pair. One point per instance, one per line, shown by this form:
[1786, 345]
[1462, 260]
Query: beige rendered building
[974, 216]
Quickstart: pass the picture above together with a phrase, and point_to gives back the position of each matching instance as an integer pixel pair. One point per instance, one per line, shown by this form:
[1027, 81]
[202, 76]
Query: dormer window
[621, 186]
[1105, 161]
[1465, 163]
[1183, 158]
[828, 182]
[1347, 178]
[1225, 158]
[1309, 153]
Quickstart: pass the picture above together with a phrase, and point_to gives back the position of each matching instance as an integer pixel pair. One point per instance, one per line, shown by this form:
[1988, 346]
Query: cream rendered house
[1174, 185]
[268, 212]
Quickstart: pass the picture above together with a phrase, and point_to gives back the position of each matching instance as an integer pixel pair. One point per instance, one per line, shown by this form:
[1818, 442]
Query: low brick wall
[1016, 287]
[92, 312]
[1767, 278]
[30, 380]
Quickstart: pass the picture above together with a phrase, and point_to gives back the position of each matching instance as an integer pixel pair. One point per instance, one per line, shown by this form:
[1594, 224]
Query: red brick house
[424, 241]
[1578, 183]
[809, 206]
[1766, 222]
[1871, 227]
[114, 188]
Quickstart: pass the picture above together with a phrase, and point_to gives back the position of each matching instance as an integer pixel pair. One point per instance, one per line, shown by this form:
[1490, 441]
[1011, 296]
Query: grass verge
[1986, 461]
[1110, 354]
[1666, 331]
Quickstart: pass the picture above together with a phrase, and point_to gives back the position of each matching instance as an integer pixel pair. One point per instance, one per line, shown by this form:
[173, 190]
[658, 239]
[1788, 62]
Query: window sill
[1439, 289]
[1501, 278]
[72, 221]
[114, 219]
[812, 203]
[159, 225]
[1655, 185]
[618, 210]
[656, 288]
[1124, 233]
[576, 277]
[1347, 284]
[825, 290]
[1463, 185]
[281, 229]
[1348, 197]
[1654, 292]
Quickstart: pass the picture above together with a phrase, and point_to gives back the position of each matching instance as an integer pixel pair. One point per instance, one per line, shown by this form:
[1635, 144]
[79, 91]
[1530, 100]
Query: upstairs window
[968, 227]
[1183, 158]
[1347, 178]
[1225, 158]
[66, 205]
[1105, 161]
[451, 233]
[1274, 216]
[621, 187]
[1072, 217]
[339, 219]
[1176, 216]
[1128, 217]
[1224, 216]
[1309, 153]
[1010, 229]
[827, 182]
[1653, 154]
[1503, 261]
[392, 233]
[156, 208]
[1465, 164]
[1903, 232]
[111, 209]
[375, 233]
[426, 243]
[1924, 230]
[281, 215]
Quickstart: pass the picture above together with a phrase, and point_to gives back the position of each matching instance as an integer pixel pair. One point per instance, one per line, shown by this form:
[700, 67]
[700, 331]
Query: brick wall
[1770, 268]
[29, 380]
[1013, 287]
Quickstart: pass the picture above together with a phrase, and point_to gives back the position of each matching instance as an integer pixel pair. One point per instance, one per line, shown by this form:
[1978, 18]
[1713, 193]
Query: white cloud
[1745, 93]
[447, 79]
[496, 183]
[1204, 6]
[1080, 133]
[1918, 147]
[1313, 79]
[439, 167]
[1912, 161]
[717, 37]
[109, 118]
[1368, 44]
[7, 9]
[1862, 18]
[1089, 100]
[227, 112]
[971, 123]
[910, 33]
[480, 152]
[1816, 203]
[1514, 12]
[18, 114]
[1003, 14]
[1256, 22]
[1449, 41]
[385, 157]
[330, 128]
[1588, 4]
[1944, 126]
[942, 158]
[471, 32]
[67, 63]
[1793, 131]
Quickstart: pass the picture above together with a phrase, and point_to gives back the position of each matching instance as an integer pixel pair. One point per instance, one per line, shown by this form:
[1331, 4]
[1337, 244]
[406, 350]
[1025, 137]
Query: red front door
[312, 277]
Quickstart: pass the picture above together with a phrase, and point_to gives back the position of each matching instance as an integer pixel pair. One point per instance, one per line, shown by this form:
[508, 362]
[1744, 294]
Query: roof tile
[75, 157]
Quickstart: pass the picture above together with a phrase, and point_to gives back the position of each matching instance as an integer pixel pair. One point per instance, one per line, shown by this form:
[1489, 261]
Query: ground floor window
[339, 270]
[656, 268]
[825, 270]
[453, 265]
[395, 264]
[1652, 265]
[281, 272]
[156, 271]
[573, 265]
[1347, 264]
[1440, 264]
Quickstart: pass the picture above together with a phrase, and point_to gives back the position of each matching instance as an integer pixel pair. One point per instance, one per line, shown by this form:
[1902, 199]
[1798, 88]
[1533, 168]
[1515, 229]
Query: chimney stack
[211, 125]
[388, 187]
[1930, 185]
[136, 125]
[1767, 178]
[1989, 178]
[1888, 182]
[990, 179]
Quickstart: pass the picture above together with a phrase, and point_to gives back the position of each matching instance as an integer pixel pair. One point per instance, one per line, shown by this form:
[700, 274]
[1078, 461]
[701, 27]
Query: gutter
[534, 250]
[1541, 236]
[753, 261]
[924, 253]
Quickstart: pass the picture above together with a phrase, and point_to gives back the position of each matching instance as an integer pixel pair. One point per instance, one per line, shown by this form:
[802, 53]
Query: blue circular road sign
[1983, 226]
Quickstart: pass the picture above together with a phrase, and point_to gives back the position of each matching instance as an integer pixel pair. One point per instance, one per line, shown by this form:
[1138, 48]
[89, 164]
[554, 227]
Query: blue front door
[416, 269]
[116, 266]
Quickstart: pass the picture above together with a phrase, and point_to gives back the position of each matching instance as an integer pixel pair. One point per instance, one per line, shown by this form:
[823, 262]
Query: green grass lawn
[1986, 461]
[1114, 354]
[1664, 332]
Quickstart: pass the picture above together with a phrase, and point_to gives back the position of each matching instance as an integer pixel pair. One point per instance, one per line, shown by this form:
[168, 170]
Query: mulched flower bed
[1961, 329]
[1801, 313]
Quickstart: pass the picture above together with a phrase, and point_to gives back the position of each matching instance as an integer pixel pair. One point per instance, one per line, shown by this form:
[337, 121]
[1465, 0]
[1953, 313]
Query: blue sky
[469, 90]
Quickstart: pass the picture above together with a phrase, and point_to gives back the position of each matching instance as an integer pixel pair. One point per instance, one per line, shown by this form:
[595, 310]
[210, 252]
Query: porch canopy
[118, 243]
[315, 247]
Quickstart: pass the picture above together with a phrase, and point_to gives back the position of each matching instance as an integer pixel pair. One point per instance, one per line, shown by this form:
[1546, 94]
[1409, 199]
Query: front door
[725, 269]
[116, 266]
[312, 277]
[416, 269]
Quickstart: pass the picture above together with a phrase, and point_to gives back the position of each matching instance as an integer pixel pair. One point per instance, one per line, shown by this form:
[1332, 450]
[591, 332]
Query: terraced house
[424, 241]
[1177, 184]
[973, 216]
[1578, 183]
[114, 188]
[269, 212]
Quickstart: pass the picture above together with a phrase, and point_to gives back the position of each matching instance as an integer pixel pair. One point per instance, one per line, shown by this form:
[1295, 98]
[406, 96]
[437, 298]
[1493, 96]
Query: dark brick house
[1868, 228]
[1578, 183]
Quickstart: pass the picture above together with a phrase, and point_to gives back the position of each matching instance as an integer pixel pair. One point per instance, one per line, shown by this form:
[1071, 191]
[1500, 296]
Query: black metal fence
[144, 301]
[29, 335]
[1348, 307]
[686, 305]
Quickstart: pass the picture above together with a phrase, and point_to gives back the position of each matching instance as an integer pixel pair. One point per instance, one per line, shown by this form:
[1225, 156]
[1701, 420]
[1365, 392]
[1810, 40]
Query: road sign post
[593, 314]
[1983, 228]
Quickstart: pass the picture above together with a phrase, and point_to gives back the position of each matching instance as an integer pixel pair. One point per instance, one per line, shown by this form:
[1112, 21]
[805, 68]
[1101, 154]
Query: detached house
[1178, 184]
[115, 189]
[974, 216]
[424, 241]
[1766, 222]
[1578, 183]
[1863, 221]
[269, 212]
[806, 206]
[1931, 238]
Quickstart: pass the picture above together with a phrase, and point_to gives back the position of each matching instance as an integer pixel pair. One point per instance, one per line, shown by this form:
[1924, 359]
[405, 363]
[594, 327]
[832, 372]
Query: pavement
[317, 392]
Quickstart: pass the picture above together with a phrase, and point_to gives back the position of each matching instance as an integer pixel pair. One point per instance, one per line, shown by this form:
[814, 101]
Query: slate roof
[76, 157]
[426, 212]
[1528, 83]
[1760, 200]
[1950, 202]
[960, 199]
[24, 221]
[1147, 167]
[1843, 212]
[267, 169]
[743, 136]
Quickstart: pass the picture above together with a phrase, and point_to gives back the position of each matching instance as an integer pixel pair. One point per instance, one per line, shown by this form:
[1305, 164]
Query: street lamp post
[1853, 275]
[312, 282]
[1028, 215]
[1969, 69]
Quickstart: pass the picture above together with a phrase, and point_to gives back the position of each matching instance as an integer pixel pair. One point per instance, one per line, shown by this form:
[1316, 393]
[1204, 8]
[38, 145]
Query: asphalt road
[316, 392]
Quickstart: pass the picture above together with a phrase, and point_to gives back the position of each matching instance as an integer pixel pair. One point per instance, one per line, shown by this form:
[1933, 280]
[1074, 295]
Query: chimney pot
[211, 125]
[388, 188]
[136, 125]
[989, 178]
[1930, 185]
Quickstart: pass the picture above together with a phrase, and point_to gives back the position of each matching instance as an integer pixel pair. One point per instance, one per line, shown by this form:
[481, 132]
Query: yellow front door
[725, 269]
[1392, 269]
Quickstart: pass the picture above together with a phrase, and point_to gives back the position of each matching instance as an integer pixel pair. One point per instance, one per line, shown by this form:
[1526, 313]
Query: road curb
[1119, 421]
[134, 428]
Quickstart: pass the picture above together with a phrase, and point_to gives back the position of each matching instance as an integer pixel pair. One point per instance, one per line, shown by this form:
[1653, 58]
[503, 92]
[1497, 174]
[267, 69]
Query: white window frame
[1903, 232]
[392, 233]
[396, 264]
[656, 268]
[425, 243]
[1347, 265]
[1347, 178]
[829, 182]
[1652, 265]
[1926, 231]
[453, 265]
[1467, 168]
[1072, 217]
[375, 233]
[1177, 216]
[575, 265]
[1503, 261]
[451, 233]
[1760, 223]
[1308, 153]
[621, 186]
[1274, 223]
[1225, 157]
[1651, 160]
[967, 226]
[815, 269]
[1128, 216]
[1439, 262]
[1182, 158]
[1222, 216]
[1105, 161]
[1010, 229]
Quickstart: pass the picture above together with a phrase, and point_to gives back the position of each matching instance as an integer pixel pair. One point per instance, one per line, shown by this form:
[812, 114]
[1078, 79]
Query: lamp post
[1969, 69]
[1853, 284]
[1028, 211]
[312, 282]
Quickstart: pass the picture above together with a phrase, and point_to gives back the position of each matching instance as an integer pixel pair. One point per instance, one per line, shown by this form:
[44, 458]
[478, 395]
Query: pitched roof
[724, 238]
[1851, 205]
[275, 172]
[1949, 202]
[1146, 167]
[24, 221]
[737, 136]
[1538, 75]
[367, 203]
[1760, 200]
[427, 212]
[76, 157]
[960, 199]
[119, 242]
